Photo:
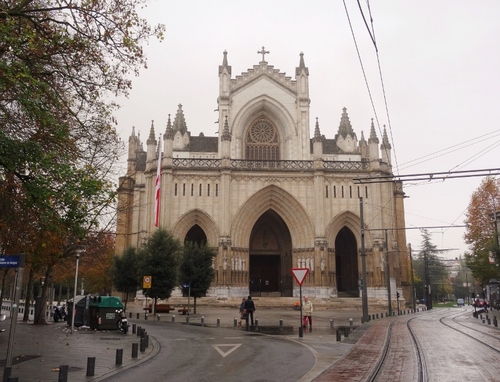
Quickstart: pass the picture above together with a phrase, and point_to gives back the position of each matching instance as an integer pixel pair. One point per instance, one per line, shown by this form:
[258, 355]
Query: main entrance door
[270, 257]
[346, 263]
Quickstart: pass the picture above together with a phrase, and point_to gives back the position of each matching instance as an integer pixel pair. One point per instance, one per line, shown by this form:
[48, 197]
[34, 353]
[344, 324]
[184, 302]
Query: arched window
[262, 141]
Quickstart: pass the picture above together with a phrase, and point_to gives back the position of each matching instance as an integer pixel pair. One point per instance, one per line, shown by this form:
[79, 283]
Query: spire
[385, 140]
[302, 66]
[317, 133]
[373, 135]
[224, 64]
[180, 121]
[345, 125]
[151, 139]
[169, 132]
[362, 141]
[226, 135]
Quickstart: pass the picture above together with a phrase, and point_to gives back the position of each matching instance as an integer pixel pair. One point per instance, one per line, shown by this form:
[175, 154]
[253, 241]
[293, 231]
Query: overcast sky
[440, 63]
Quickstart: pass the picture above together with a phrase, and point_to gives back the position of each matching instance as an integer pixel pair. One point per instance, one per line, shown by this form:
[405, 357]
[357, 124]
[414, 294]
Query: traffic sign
[146, 282]
[300, 274]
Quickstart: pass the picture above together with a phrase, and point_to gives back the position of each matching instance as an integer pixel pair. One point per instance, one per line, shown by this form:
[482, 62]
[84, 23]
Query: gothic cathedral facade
[270, 198]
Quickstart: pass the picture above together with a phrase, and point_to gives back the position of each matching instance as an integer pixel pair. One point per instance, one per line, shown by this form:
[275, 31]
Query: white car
[460, 302]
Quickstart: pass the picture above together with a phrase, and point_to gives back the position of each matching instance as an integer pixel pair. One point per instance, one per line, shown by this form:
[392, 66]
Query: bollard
[146, 316]
[489, 321]
[235, 322]
[339, 336]
[158, 318]
[133, 328]
[377, 316]
[130, 315]
[139, 331]
[143, 333]
[331, 323]
[90, 366]
[281, 322]
[7, 372]
[187, 319]
[202, 320]
[351, 322]
[143, 344]
[138, 315]
[147, 341]
[173, 317]
[256, 322]
[135, 348]
[218, 321]
[346, 332]
[63, 373]
[13, 379]
[119, 357]
[495, 322]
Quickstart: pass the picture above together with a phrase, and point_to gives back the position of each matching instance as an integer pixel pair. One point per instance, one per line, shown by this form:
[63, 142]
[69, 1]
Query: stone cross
[263, 52]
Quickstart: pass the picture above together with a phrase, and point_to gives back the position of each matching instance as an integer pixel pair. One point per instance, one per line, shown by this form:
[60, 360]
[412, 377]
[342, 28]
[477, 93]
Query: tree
[61, 61]
[430, 269]
[196, 269]
[160, 259]
[125, 272]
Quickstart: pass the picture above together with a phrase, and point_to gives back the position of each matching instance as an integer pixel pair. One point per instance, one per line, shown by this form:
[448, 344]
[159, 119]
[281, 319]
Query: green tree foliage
[125, 272]
[429, 268]
[160, 259]
[196, 269]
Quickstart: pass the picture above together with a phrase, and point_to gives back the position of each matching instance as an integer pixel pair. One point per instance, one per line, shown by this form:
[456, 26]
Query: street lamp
[78, 251]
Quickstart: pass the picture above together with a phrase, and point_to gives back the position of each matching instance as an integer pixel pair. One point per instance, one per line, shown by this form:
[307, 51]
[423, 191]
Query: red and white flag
[157, 187]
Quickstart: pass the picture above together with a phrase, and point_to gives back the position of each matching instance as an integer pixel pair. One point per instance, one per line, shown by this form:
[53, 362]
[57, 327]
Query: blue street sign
[10, 261]
[186, 285]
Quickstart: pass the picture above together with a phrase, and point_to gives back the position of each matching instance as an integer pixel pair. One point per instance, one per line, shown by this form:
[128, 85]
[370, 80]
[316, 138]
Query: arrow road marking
[233, 347]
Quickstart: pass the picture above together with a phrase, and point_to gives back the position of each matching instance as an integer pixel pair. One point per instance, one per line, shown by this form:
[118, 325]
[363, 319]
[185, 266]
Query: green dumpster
[102, 311]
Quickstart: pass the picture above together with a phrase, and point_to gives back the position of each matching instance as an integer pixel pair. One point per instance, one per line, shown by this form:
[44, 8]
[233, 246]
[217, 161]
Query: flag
[157, 187]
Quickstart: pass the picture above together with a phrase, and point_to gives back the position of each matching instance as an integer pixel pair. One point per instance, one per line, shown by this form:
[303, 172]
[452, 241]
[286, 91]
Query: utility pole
[363, 265]
[413, 297]
[388, 275]
[428, 298]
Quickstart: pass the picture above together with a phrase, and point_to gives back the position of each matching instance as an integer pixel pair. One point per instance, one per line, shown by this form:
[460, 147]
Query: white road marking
[233, 347]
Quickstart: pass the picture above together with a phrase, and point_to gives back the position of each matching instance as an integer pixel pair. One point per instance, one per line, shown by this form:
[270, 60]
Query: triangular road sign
[300, 274]
[233, 347]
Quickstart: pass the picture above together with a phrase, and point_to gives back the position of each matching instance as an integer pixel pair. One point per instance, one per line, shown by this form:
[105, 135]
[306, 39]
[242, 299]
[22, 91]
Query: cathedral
[269, 197]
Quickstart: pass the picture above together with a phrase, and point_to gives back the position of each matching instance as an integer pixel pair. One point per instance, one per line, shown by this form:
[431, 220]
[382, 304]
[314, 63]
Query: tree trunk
[27, 300]
[40, 318]
[194, 308]
[4, 277]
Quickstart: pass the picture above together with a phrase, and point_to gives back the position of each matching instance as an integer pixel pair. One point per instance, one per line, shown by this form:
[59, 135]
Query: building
[269, 197]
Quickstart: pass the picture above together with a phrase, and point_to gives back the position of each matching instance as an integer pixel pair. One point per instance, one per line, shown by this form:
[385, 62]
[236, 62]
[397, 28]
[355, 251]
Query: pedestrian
[243, 312]
[307, 310]
[250, 308]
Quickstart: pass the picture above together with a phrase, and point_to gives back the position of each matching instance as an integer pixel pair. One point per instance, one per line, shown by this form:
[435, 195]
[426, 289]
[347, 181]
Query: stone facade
[269, 197]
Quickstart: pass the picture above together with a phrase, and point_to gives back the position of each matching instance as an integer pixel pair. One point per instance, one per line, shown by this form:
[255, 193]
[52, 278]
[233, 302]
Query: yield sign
[300, 274]
[232, 347]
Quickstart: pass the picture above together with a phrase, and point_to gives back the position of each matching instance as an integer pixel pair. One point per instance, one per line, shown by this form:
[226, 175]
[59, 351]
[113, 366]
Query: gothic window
[262, 141]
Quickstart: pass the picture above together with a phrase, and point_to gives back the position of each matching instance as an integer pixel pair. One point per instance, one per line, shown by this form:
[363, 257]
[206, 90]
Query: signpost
[15, 261]
[146, 284]
[189, 293]
[299, 274]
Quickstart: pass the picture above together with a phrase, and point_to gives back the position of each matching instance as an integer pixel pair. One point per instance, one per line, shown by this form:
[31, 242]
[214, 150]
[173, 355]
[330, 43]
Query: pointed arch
[281, 202]
[200, 218]
[349, 220]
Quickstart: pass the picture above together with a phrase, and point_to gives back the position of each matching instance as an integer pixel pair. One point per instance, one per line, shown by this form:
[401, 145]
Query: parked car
[460, 302]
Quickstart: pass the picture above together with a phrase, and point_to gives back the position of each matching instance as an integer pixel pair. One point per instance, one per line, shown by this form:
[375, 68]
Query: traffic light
[473, 295]
[397, 294]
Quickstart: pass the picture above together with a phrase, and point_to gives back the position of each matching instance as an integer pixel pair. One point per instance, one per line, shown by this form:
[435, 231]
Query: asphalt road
[190, 353]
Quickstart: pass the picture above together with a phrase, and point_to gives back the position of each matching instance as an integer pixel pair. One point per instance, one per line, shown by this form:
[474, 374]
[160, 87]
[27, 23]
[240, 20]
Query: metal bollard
[187, 319]
[158, 318]
[138, 315]
[119, 357]
[63, 373]
[495, 322]
[133, 328]
[146, 316]
[346, 332]
[173, 317]
[139, 331]
[7, 371]
[351, 322]
[339, 335]
[143, 344]
[147, 341]
[13, 379]
[202, 320]
[130, 315]
[135, 348]
[281, 322]
[235, 322]
[90, 366]
[256, 322]
[377, 316]
[489, 321]
[218, 321]
[331, 323]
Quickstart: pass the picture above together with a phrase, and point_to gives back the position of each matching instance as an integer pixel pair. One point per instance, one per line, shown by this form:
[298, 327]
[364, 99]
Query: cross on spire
[263, 52]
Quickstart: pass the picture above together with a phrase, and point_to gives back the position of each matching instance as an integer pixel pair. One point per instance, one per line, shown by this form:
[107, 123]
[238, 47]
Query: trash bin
[81, 311]
[103, 314]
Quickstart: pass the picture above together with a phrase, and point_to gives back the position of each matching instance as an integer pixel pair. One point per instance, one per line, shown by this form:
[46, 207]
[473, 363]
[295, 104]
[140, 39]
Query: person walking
[242, 311]
[250, 308]
[307, 310]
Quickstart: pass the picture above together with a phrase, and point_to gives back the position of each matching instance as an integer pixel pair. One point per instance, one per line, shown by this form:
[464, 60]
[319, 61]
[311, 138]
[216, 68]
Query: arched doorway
[270, 257]
[346, 263]
[196, 235]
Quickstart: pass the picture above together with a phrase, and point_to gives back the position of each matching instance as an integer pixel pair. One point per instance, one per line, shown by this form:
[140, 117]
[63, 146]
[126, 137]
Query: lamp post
[78, 251]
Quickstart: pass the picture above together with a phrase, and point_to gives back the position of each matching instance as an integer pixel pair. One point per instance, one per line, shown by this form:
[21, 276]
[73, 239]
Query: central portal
[270, 257]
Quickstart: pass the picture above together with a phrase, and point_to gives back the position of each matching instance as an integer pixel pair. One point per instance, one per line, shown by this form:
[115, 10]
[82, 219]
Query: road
[192, 353]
